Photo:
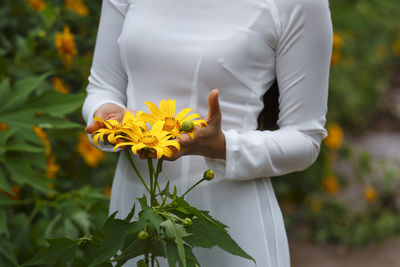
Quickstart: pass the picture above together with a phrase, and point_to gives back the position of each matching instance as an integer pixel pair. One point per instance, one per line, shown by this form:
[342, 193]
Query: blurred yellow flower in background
[52, 167]
[4, 126]
[45, 139]
[335, 136]
[77, 6]
[59, 86]
[91, 155]
[65, 44]
[337, 41]
[337, 44]
[38, 5]
[330, 184]
[370, 193]
[107, 191]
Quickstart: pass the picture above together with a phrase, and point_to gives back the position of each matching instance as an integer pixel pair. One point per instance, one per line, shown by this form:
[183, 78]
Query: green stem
[128, 155]
[153, 200]
[158, 171]
[190, 189]
[170, 216]
[151, 172]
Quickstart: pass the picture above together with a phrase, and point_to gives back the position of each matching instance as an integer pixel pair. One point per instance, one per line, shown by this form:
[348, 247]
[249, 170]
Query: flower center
[169, 124]
[149, 140]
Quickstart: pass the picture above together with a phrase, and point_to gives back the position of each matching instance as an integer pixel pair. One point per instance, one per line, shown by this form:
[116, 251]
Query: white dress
[148, 50]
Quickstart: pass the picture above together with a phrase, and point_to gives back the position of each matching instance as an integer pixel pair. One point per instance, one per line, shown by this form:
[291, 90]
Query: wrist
[215, 147]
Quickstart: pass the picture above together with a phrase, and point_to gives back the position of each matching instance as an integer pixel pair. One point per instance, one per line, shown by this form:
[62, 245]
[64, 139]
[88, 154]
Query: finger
[214, 111]
[94, 126]
[185, 140]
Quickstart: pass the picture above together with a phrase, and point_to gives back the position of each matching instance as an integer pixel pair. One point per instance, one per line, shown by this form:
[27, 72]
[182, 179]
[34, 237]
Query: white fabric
[148, 50]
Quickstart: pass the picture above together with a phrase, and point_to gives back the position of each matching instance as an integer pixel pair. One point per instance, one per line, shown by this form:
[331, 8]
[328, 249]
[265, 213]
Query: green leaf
[4, 136]
[136, 248]
[208, 235]
[182, 204]
[21, 92]
[4, 185]
[3, 223]
[130, 215]
[22, 173]
[143, 202]
[165, 191]
[179, 243]
[23, 147]
[151, 216]
[7, 249]
[115, 233]
[81, 218]
[170, 229]
[170, 251]
[60, 250]
[27, 119]
[56, 104]
[5, 89]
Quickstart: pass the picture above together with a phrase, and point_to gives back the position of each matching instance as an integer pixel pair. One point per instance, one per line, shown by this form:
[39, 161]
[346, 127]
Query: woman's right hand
[107, 111]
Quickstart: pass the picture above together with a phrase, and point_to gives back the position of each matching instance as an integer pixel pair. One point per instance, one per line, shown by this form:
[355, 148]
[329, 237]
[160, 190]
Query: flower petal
[153, 109]
[182, 114]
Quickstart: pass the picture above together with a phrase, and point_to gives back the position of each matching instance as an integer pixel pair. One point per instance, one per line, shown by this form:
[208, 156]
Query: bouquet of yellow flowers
[166, 225]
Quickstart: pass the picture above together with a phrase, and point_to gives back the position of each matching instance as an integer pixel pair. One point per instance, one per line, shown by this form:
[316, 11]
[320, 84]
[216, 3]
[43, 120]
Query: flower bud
[187, 126]
[209, 175]
[143, 235]
[84, 241]
[187, 222]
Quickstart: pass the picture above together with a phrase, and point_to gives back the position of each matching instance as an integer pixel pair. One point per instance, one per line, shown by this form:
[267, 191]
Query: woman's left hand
[208, 141]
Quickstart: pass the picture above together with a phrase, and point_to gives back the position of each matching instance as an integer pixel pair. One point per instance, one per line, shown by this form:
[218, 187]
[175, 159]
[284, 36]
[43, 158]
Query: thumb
[214, 111]
[94, 126]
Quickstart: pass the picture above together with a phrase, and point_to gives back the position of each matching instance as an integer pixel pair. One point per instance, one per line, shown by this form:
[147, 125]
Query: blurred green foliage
[49, 188]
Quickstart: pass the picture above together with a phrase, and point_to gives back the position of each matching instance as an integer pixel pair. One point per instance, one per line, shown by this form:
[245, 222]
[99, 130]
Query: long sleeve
[302, 70]
[108, 79]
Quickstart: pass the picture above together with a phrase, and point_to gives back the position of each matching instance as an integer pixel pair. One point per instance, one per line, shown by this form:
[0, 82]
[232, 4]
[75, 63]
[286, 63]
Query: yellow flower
[155, 139]
[337, 41]
[38, 5]
[60, 86]
[91, 155]
[4, 126]
[52, 167]
[370, 194]
[334, 139]
[172, 123]
[77, 6]
[114, 128]
[65, 45]
[107, 191]
[45, 139]
[330, 184]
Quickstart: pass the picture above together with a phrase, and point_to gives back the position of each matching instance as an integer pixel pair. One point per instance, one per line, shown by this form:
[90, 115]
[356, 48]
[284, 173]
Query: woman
[148, 50]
